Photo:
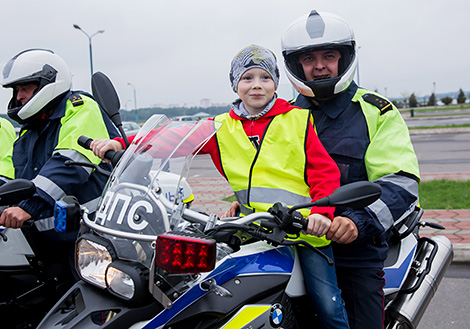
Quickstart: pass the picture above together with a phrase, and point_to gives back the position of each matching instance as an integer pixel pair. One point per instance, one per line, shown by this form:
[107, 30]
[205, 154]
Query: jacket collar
[332, 108]
[280, 106]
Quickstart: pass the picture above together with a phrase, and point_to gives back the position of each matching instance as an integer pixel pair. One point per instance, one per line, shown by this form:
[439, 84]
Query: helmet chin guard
[319, 31]
[39, 66]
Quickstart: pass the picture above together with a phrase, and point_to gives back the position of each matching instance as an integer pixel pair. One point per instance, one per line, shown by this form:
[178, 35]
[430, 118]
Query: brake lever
[89, 165]
[432, 225]
[308, 245]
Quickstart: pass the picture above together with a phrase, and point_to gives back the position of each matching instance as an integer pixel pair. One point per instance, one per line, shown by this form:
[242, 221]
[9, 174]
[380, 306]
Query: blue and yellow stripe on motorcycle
[189, 199]
[246, 315]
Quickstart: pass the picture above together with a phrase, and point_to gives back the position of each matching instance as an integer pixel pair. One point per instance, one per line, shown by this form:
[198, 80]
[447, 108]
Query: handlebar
[111, 155]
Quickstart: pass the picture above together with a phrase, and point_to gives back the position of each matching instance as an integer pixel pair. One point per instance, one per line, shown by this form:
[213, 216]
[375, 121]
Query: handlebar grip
[85, 142]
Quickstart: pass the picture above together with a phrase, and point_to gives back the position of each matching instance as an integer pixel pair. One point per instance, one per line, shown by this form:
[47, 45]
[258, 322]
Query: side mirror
[354, 195]
[106, 96]
[15, 191]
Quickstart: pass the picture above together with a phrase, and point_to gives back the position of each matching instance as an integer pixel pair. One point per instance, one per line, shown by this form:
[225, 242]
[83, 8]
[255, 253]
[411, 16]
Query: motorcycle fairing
[212, 309]
[82, 301]
[395, 276]
[15, 250]
[246, 315]
[396, 273]
[254, 262]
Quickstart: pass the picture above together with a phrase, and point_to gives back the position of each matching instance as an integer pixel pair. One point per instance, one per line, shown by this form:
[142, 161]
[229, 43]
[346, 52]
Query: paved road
[443, 152]
[449, 309]
[436, 121]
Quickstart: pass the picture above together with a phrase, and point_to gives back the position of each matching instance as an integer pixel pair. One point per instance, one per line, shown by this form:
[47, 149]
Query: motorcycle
[30, 281]
[150, 262]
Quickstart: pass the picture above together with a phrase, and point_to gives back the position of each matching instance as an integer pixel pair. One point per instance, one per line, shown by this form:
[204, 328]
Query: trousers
[322, 287]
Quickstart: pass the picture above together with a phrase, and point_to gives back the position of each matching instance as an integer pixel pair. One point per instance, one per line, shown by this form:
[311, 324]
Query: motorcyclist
[368, 139]
[52, 117]
[7, 137]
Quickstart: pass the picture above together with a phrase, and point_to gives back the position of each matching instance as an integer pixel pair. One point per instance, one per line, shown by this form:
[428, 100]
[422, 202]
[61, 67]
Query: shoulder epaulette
[381, 103]
[76, 99]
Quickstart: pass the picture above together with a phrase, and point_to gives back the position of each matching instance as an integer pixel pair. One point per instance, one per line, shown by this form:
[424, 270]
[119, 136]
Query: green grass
[230, 198]
[445, 194]
[437, 194]
[436, 127]
[437, 108]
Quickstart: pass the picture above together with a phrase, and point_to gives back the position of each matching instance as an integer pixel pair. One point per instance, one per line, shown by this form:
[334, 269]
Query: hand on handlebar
[14, 217]
[101, 146]
[342, 230]
[232, 211]
[318, 225]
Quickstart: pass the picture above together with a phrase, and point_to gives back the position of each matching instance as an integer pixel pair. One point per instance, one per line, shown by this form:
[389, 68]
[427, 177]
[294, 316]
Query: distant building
[205, 102]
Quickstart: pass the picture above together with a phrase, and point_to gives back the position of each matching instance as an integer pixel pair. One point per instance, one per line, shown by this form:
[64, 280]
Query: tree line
[432, 101]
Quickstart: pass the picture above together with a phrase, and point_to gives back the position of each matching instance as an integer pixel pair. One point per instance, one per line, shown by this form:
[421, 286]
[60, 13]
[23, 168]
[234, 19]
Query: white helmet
[318, 31]
[39, 66]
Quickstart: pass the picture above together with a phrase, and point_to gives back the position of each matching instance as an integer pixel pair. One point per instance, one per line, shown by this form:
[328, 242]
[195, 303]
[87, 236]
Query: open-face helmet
[319, 31]
[39, 66]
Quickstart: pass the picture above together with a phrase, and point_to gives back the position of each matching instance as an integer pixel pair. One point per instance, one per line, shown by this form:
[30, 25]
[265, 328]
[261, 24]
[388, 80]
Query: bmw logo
[276, 315]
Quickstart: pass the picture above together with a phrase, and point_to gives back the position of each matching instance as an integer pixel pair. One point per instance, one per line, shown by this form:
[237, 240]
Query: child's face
[256, 89]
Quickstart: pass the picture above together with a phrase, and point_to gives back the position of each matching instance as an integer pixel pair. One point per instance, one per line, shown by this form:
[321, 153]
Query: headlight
[127, 280]
[92, 259]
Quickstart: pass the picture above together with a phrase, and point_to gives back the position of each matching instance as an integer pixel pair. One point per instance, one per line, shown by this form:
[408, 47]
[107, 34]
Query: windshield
[147, 190]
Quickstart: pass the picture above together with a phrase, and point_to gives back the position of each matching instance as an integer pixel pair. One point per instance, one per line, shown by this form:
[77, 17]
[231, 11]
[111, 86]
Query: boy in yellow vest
[268, 151]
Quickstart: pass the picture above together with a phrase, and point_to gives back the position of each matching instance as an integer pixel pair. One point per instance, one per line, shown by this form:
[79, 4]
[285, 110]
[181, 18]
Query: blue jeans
[322, 287]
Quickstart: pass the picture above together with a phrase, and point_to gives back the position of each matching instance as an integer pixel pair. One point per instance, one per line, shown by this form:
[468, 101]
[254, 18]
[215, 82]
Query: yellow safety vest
[7, 137]
[275, 172]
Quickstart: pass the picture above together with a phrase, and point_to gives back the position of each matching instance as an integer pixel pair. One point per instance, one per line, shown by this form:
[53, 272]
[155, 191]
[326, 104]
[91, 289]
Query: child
[268, 151]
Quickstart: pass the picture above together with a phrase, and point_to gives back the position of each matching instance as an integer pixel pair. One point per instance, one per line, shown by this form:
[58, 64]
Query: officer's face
[320, 64]
[25, 92]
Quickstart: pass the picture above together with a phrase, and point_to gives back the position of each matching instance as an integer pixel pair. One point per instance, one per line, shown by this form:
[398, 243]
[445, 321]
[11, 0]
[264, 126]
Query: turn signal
[185, 253]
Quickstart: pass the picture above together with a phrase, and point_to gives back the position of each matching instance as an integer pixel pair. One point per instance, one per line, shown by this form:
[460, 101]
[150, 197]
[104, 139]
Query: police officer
[368, 139]
[7, 137]
[52, 117]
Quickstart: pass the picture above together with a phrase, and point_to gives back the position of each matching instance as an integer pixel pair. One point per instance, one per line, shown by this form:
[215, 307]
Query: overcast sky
[179, 51]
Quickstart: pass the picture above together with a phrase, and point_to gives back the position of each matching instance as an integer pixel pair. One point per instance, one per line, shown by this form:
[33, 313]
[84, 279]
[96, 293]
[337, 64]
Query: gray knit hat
[250, 57]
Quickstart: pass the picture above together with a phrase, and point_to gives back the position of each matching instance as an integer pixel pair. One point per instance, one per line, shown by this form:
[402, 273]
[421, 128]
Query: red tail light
[184, 253]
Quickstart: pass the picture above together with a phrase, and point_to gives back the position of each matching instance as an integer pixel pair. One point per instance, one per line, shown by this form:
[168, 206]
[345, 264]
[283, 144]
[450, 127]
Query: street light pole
[89, 43]
[357, 68]
[135, 103]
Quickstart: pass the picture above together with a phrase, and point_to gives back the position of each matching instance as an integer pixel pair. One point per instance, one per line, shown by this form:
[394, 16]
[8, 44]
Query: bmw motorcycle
[148, 261]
